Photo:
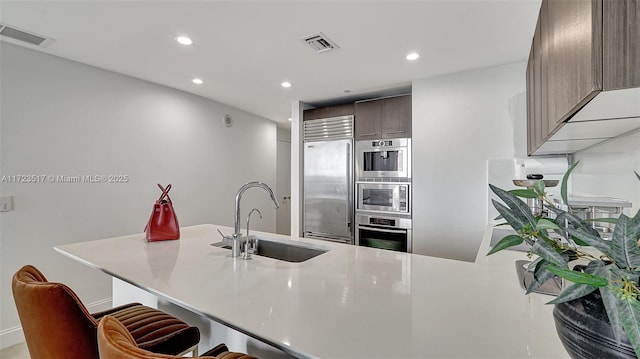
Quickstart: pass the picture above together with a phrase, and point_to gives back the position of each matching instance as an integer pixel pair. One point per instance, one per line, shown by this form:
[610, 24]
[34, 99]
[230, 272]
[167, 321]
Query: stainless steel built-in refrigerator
[328, 179]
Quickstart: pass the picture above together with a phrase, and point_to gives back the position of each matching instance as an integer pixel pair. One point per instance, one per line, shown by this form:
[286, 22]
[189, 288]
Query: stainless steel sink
[284, 251]
[551, 287]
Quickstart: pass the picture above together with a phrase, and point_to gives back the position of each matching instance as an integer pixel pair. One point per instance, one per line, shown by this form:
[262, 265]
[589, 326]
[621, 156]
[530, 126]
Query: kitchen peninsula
[350, 302]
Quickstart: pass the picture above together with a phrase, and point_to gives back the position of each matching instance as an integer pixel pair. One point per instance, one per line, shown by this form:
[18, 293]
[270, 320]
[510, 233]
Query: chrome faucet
[247, 246]
[235, 245]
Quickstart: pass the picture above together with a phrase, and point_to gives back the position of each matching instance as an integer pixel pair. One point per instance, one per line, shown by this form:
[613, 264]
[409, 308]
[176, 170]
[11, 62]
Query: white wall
[459, 122]
[60, 117]
[607, 170]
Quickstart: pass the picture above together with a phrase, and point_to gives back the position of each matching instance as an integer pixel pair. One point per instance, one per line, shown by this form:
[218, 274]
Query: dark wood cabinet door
[396, 117]
[621, 44]
[541, 127]
[537, 116]
[547, 126]
[575, 55]
[531, 141]
[368, 120]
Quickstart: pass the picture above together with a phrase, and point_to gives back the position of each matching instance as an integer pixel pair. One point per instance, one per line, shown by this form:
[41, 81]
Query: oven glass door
[392, 239]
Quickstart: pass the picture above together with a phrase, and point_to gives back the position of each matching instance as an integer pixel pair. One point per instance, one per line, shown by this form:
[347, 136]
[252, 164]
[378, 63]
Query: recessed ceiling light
[184, 40]
[290, 119]
[197, 81]
[413, 56]
[286, 84]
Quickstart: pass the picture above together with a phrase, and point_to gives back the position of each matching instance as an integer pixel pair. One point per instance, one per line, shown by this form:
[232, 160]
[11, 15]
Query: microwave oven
[384, 197]
[388, 158]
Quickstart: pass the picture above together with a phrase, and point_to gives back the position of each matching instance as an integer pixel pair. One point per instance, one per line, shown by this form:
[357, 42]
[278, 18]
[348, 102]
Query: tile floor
[18, 351]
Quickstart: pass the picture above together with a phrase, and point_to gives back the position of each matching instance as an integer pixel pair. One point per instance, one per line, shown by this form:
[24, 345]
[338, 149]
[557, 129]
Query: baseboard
[11, 336]
[100, 305]
[14, 335]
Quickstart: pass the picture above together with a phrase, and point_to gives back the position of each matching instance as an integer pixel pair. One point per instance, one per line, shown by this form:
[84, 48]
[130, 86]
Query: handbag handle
[165, 192]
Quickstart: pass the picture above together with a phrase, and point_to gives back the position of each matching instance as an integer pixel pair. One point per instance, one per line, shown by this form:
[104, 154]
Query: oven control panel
[382, 221]
[403, 198]
[386, 143]
[379, 220]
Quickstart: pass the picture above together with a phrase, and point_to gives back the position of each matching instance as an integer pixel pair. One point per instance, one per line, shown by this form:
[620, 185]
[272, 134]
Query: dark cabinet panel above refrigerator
[329, 111]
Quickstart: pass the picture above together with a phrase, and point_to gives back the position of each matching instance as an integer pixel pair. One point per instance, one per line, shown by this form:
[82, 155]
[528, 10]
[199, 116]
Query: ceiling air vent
[320, 43]
[24, 36]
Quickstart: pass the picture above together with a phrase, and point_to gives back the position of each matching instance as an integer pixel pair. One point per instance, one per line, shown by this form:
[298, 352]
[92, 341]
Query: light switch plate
[6, 203]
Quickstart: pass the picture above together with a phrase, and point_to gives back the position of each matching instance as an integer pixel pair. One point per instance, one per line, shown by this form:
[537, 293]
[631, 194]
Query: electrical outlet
[6, 203]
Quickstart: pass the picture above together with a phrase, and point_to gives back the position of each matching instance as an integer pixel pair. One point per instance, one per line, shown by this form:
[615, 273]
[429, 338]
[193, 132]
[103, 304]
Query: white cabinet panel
[569, 146]
[596, 129]
[611, 104]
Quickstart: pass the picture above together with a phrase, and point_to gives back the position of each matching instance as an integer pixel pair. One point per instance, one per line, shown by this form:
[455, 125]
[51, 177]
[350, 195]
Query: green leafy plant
[612, 266]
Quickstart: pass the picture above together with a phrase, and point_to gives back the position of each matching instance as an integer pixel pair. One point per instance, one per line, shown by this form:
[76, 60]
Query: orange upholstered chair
[115, 342]
[57, 325]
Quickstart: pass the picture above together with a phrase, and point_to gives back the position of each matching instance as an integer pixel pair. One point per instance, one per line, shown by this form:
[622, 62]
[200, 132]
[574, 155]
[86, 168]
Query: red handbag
[163, 223]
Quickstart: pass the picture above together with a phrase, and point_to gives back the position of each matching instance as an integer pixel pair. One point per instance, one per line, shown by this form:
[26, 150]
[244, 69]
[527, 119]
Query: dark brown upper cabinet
[383, 118]
[580, 48]
[621, 39]
[329, 111]
[574, 48]
[531, 141]
[368, 120]
[537, 89]
[396, 117]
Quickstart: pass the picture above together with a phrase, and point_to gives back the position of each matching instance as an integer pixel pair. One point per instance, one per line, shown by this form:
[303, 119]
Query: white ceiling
[244, 49]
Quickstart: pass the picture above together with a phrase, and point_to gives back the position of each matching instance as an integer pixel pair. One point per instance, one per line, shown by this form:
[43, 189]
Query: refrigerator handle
[350, 189]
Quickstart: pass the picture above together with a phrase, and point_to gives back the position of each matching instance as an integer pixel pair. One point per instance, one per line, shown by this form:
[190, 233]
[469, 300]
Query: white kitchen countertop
[351, 302]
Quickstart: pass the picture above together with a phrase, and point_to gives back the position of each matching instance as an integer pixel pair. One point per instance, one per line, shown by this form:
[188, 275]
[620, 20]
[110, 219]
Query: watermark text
[58, 178]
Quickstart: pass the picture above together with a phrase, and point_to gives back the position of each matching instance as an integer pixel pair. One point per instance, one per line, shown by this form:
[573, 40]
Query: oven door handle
[397, 231]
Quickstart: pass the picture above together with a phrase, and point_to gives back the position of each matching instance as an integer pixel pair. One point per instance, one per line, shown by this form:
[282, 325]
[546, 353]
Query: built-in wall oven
[389, 197]
[386, 158]
[383, 231]
[383, 190]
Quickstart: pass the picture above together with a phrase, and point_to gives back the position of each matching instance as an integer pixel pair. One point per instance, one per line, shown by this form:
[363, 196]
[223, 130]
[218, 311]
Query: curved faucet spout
[249, 218]
[247, 244]
[239, 197]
